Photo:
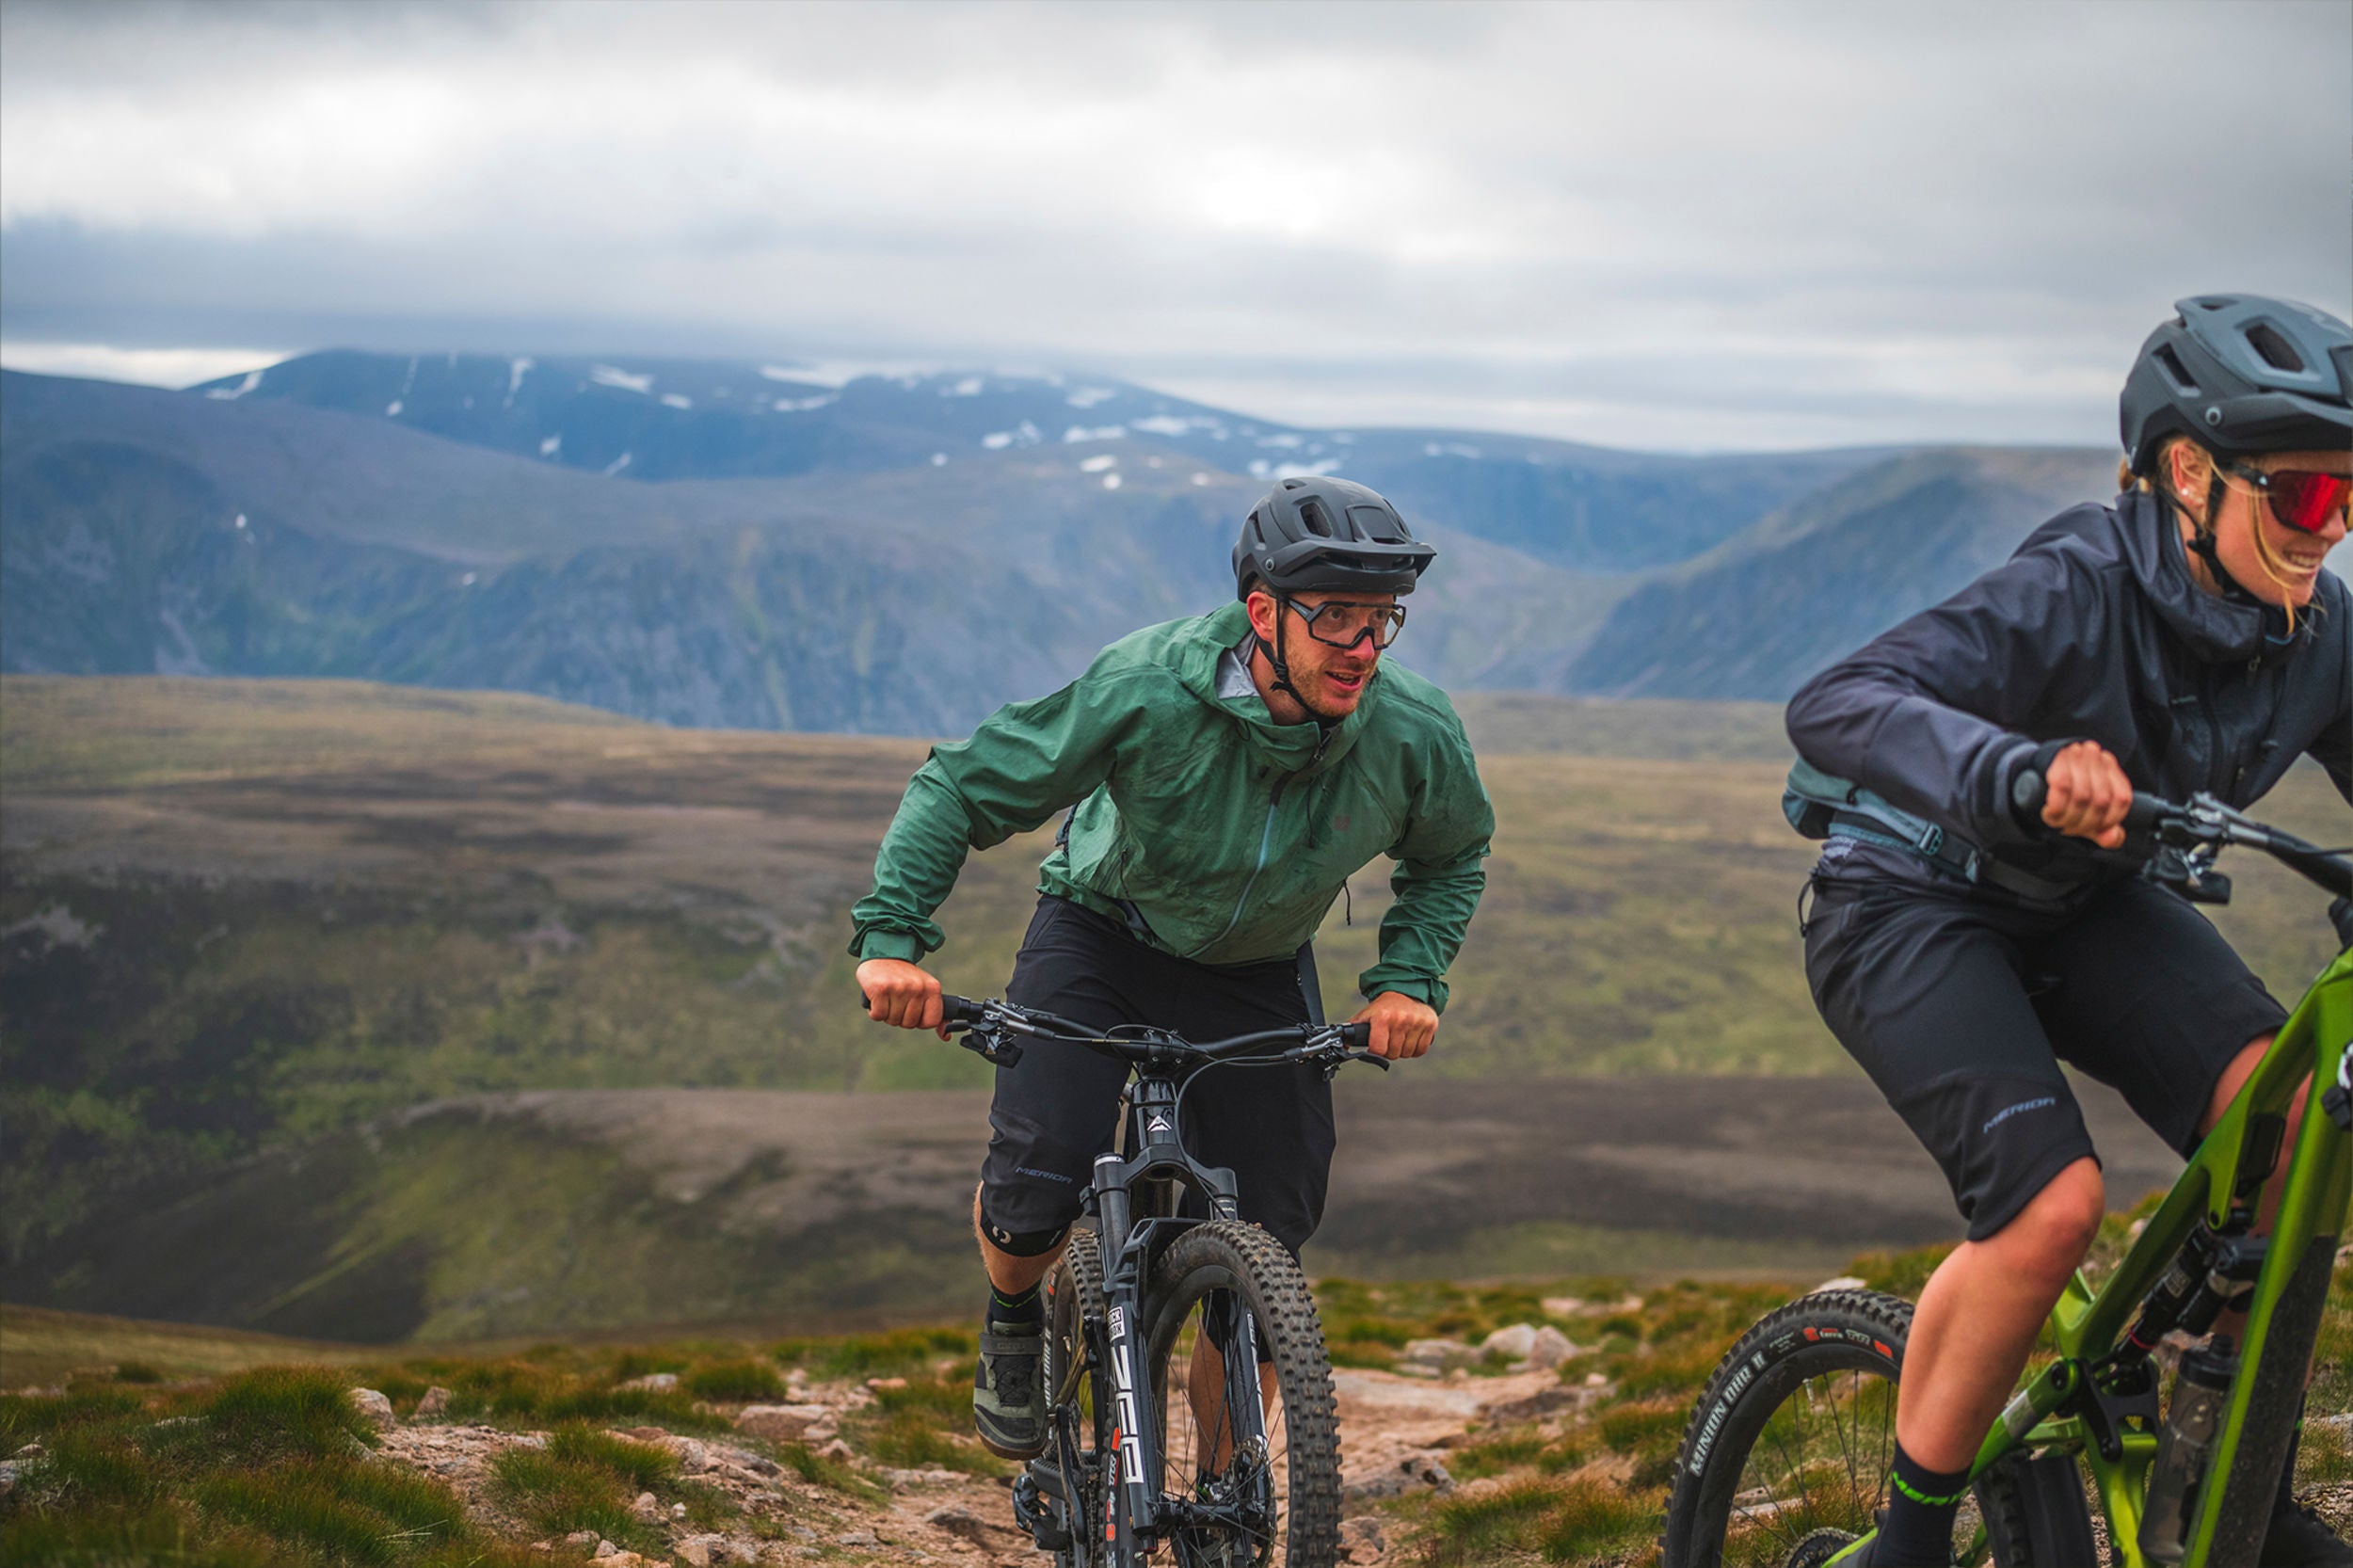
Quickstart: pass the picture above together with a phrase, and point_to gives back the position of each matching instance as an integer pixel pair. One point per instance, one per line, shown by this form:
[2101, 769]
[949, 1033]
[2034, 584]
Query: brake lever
[2338, 1101]
[986, 1043]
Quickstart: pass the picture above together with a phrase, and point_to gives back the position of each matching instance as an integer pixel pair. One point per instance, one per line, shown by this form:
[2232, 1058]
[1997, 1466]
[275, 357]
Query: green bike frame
[2284, 1318]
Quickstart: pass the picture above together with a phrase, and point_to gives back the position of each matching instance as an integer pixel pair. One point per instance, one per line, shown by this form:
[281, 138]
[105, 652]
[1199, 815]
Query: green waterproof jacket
[1225, 833]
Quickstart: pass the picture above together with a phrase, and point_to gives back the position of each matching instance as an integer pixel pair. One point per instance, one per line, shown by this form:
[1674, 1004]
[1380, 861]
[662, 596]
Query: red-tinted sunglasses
[2299, 497]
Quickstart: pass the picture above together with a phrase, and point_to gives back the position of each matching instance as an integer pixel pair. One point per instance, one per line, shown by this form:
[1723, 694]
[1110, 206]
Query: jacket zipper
[1266, 841]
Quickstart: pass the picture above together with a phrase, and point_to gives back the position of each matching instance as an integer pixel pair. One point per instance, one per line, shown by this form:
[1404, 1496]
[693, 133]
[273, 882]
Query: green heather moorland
[239, 917]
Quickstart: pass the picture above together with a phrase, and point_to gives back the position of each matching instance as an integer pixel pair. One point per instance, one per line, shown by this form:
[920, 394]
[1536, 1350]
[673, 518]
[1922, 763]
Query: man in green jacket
[1225, 776]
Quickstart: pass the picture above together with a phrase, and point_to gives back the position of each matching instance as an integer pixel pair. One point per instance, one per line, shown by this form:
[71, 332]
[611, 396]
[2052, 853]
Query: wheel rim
[1198, 1398]
[1818, 1463]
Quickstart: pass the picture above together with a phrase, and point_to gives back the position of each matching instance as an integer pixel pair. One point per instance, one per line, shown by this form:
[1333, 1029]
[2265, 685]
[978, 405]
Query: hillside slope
[239, 919]
[1754, 616]
[1582, 508]
[144, 532]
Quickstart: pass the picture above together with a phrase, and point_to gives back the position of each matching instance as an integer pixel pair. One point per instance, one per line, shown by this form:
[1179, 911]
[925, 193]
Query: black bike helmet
[1327, 535]
[2241, 375]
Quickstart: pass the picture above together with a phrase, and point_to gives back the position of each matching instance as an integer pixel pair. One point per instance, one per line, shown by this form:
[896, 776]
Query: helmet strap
[1282, 664]
[2202, 540]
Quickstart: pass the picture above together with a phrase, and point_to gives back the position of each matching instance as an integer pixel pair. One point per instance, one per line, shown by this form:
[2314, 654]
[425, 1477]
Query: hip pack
[1822, 805]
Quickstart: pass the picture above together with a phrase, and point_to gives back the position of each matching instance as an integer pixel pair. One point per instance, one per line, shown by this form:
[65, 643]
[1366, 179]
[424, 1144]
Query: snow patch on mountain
[610, 375]
[1025, 434]
[227, 394]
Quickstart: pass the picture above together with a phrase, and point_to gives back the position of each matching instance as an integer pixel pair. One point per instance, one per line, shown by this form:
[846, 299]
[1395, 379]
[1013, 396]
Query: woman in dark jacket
[2183, 638]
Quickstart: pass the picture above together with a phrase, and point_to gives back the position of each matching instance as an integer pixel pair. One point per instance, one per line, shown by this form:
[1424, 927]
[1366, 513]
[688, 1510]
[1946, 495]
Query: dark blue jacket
[2094, 629]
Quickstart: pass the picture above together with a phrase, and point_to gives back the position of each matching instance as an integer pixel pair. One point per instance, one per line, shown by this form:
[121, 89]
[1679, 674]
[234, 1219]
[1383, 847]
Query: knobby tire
[1204, 1273]
[1802, 1409]
[1079, 1405]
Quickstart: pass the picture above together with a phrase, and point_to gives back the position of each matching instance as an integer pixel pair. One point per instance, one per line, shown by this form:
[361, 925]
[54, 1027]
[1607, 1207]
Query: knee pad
[1020, 1243]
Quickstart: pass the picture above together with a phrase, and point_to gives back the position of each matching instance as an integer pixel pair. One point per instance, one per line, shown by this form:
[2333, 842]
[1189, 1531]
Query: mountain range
[802, 548]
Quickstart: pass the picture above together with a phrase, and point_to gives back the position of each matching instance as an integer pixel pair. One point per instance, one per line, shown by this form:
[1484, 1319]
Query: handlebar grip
[2028, 791]
[1356, 1036]
[959, 1010]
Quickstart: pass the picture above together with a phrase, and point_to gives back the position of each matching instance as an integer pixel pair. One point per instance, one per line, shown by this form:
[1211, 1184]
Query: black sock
[1921, 1503]
[1023, 1308]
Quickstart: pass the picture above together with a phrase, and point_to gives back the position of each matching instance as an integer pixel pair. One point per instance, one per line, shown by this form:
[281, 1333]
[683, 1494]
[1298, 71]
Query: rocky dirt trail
[1396, 1429]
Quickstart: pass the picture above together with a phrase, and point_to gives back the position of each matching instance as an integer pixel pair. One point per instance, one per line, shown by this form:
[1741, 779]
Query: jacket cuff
[901, 945]
[1430, 992]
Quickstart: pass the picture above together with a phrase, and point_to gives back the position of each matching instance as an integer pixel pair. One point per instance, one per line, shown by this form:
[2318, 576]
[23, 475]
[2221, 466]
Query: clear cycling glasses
[2299, 497]
[1339, 623]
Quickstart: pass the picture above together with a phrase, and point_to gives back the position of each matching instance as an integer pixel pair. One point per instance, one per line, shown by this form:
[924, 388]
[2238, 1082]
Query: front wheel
[1254, 1450]
[1787, 1455]
[1078, 1414]
[1788, 1448]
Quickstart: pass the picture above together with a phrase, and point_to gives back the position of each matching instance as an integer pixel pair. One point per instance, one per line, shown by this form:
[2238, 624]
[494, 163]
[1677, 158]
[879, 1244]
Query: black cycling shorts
[1961, 1009]
[1059, 1107]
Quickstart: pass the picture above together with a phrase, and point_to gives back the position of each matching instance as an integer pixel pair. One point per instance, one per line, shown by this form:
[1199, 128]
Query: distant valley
[469, 1013]
[774, 548]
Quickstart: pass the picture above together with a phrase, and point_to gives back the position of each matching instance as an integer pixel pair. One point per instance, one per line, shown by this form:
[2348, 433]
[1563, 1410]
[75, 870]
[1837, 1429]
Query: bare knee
[2050, 1236]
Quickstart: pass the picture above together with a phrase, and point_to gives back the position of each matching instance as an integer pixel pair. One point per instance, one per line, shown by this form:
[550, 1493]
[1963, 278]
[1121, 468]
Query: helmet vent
[1375, 523]
[2170, 363]
[2276, 350]
[1312, 515]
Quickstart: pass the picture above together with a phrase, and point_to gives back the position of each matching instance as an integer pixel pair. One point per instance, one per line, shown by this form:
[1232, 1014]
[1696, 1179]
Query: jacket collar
[1288, 746]
[2217, 630]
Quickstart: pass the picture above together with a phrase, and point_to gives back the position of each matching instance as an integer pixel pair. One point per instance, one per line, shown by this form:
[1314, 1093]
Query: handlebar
[2205, 825]
[993, 1028]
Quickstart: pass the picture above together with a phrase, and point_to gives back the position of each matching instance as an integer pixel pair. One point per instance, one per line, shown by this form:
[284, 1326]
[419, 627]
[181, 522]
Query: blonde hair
[2267, 553]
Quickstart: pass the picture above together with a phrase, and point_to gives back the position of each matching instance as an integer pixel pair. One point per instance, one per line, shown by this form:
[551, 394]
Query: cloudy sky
[1660, 225]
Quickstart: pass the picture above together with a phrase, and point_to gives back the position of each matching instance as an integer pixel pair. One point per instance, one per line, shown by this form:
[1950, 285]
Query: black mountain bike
[1784, 1460]
[1190, 1397]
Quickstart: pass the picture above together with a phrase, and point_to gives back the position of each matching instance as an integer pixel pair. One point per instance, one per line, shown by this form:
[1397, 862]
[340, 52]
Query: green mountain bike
[1785, 1458]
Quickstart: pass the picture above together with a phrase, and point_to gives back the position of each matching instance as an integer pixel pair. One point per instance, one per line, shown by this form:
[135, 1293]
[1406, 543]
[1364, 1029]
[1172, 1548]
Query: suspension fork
[1129, 1493]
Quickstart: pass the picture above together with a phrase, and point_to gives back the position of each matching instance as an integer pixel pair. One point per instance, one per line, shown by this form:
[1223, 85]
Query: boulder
[659, 1382]
[1435, 1355]
[375, 1407]
[435, 1402]
[783, 1423]
[1548, 1349]
[1513, 1342]
[696, 1550]
[1361, 1539]
[962, 1523]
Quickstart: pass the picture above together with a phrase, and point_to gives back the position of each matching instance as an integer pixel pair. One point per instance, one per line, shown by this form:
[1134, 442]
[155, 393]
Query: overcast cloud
[1654, 225]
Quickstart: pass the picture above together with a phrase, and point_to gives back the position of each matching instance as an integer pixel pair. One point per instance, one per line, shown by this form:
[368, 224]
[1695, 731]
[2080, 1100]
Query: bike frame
[2063, 1408]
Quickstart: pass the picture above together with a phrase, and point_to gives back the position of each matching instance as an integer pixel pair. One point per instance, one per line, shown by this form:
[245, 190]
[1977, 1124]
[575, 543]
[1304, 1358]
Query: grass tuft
[275, 1412]
[555, 1496]
[737, 1382]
